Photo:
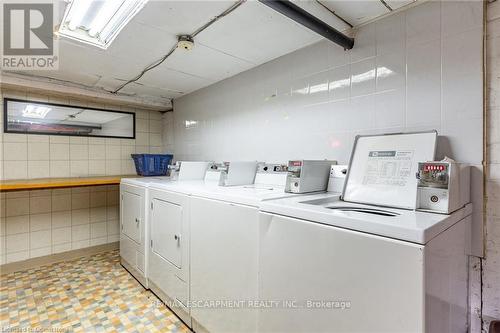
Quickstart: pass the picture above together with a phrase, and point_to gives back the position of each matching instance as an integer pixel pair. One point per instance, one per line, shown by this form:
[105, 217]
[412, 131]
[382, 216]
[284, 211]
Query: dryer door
[166, 230]
[131, 215]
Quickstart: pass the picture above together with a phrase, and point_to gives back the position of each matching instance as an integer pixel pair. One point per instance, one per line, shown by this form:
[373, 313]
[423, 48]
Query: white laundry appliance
[204, 252]
[134, 217]
[224, 251]
[344, 266]
[169, 225]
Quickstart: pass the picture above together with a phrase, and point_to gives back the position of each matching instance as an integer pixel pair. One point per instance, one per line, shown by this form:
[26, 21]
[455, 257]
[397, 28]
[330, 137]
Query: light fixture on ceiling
[98, 22]
[35, 111]
[185, 42]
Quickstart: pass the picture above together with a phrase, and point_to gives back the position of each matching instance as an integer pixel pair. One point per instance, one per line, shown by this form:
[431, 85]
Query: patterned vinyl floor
[90, 294]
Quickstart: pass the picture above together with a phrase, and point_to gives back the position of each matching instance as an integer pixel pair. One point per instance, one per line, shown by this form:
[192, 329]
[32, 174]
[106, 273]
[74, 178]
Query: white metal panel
[128, 250]
[224, 263]
[382, 279]
[446, 280]
[166, 229]
[131, 215]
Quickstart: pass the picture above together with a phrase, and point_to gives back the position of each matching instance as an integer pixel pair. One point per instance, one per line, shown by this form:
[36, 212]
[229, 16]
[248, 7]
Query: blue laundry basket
[152, 164]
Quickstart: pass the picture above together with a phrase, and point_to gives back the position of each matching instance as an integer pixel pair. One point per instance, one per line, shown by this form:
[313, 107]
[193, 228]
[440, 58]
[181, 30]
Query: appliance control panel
[443, 187]
[433, 174]
[271, 168]
[293, 179]
[306, 176]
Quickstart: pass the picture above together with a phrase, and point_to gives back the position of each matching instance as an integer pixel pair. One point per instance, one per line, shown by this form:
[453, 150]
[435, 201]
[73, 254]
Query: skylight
[98, 22]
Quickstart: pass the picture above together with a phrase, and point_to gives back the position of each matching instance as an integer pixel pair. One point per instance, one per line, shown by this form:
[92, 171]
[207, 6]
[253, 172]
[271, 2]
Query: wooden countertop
[49, 183]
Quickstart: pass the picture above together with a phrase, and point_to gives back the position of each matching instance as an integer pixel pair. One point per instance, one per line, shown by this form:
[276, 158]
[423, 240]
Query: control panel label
[388, 168]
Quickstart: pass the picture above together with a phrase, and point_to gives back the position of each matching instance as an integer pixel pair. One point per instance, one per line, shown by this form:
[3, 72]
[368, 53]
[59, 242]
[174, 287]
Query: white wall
[416, 70]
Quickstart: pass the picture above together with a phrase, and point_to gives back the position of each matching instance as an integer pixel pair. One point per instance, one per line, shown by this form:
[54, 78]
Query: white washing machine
[360, 268]
[358, 265]
[134, 238]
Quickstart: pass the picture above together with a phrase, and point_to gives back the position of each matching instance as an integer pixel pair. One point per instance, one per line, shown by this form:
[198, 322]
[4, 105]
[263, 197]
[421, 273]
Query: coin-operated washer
[369, 262]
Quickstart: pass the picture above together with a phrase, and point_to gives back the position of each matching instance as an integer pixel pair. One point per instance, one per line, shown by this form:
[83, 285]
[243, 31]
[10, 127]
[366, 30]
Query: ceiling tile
[356, 12]
[317, 8]
[94, 61]
[137, 89]
[396, 4]
[164, 77]
[207, 63]
[256, 33]
[180, 17]
[142, 43]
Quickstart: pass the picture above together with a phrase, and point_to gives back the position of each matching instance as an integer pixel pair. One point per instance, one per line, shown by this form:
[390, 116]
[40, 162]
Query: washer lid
[383, 167]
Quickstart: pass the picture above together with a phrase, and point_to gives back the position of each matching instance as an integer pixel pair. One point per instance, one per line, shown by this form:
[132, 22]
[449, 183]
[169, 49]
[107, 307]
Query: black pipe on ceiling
[310, 21]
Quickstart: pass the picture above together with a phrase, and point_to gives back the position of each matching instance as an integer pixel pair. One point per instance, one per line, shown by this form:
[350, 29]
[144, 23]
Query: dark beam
[310, 21]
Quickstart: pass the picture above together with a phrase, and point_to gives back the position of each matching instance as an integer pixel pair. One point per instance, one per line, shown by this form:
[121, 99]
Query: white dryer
[134, 217]
[169, 247]
[134, 238]
[170, 229]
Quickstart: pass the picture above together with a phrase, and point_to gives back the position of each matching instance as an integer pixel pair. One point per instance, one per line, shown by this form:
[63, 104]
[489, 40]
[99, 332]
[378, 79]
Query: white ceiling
[249, 36]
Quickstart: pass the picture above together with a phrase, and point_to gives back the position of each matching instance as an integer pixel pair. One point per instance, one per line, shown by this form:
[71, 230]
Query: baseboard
[55, 258]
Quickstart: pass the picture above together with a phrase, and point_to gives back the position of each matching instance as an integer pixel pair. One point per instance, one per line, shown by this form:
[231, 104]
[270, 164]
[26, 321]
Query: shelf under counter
[52, 183]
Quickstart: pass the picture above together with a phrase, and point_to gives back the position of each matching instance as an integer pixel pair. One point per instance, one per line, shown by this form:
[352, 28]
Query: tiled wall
[41, 156]
[491, 264]
[38, 223]
[416, 70]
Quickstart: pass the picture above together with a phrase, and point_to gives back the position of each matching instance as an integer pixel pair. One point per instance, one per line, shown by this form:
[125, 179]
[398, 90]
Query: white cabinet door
[224, 263]
[131, 215]
[329, 279]
[166, 229]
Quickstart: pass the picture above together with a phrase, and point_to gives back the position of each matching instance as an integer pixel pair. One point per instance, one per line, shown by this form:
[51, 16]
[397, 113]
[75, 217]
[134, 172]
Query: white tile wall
[41, 156]
[38, 223]
[44, 222]
[415, 70]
